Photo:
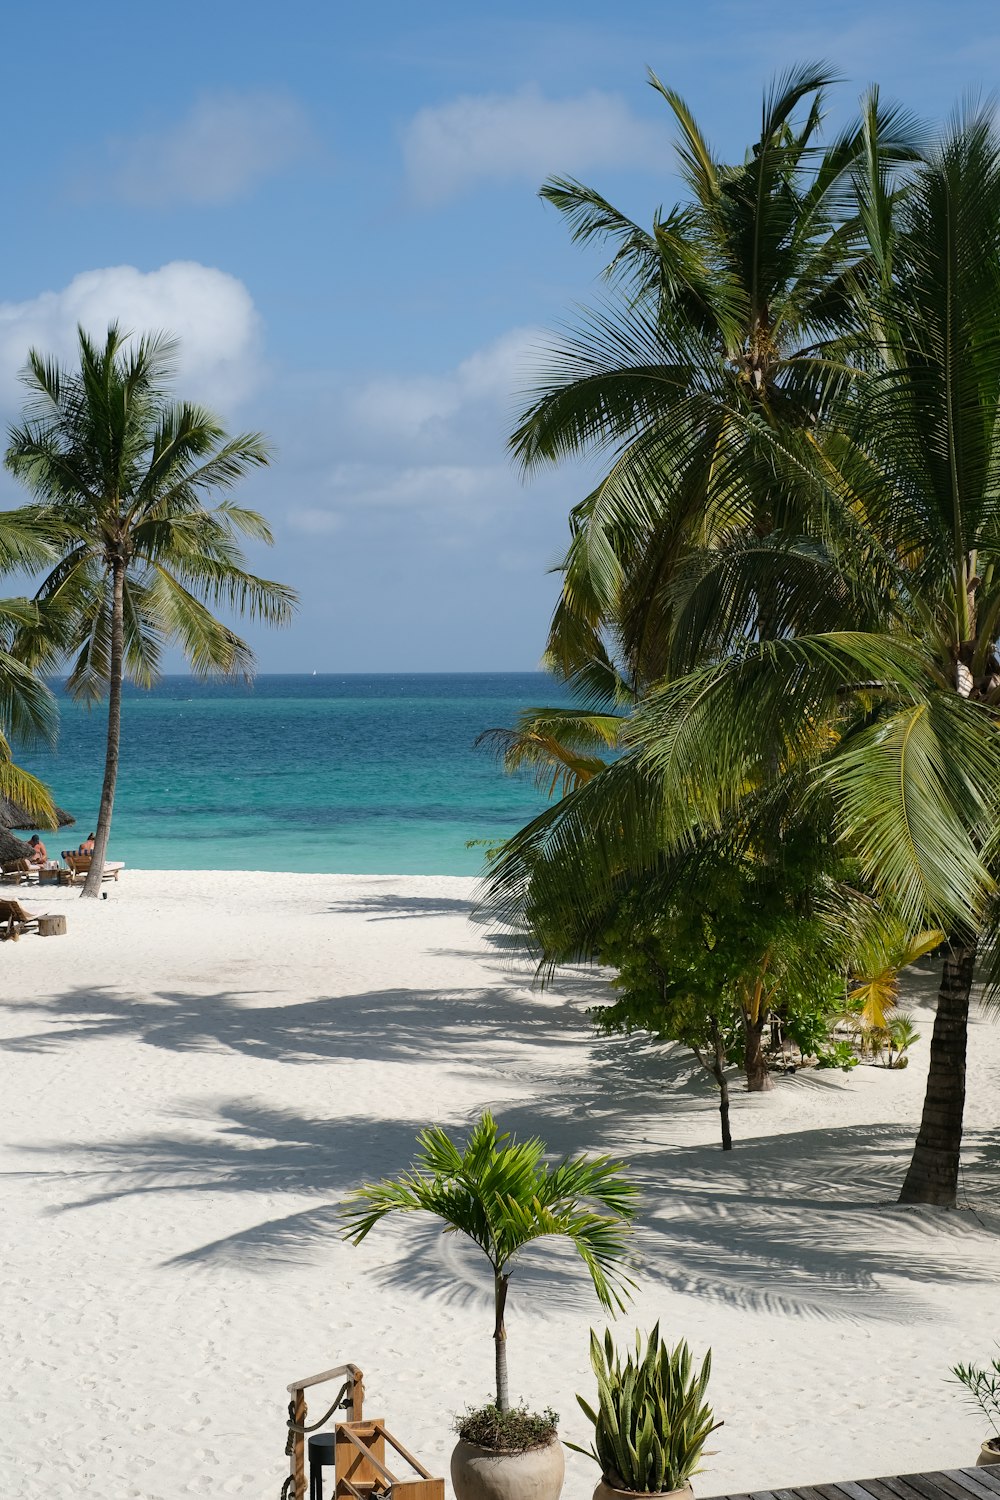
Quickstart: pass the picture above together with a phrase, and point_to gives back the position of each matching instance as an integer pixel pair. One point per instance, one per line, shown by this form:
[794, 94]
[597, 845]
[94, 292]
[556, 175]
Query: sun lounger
[79, 866]
[19, 872]
[14, 920]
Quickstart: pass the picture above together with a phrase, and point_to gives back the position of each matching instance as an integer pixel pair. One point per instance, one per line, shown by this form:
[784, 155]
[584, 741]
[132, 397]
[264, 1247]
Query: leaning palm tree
[503, 1196]
[27, 712]
[121, 476]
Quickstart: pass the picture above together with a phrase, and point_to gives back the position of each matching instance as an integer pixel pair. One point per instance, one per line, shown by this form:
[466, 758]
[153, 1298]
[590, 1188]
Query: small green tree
[502, 1195]
[721, 947]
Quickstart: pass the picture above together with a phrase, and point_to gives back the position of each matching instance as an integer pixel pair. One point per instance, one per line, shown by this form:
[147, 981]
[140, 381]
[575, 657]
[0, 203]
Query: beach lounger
[79, 866]
[19, 872]
[14, 920]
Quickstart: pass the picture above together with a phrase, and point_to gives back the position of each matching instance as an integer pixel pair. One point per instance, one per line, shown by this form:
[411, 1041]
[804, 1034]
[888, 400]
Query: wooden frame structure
[360, 1468]
[350, 1397]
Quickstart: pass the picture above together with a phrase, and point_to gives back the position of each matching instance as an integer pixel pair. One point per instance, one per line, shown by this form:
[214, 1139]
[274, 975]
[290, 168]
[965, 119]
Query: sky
[334, 207]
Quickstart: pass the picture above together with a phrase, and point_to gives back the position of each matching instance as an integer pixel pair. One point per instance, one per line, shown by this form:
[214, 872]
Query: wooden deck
[947, 1484]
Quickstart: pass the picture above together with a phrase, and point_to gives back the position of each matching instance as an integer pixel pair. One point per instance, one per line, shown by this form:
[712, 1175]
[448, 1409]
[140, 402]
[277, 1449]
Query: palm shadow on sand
[800, 1223]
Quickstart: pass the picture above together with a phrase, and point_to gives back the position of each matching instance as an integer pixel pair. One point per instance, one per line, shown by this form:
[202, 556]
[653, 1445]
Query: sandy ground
[198, 1071]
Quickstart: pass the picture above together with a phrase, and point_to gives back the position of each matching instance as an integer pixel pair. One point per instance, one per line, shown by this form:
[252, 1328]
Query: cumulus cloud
[427, 445]
[220, 150]
[450, 147]
[209, 311]
[417, 406]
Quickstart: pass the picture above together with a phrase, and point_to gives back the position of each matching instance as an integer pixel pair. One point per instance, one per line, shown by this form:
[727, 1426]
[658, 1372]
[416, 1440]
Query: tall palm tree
[503, 1196]
[704, 380]
[121, 476]
[897, 722]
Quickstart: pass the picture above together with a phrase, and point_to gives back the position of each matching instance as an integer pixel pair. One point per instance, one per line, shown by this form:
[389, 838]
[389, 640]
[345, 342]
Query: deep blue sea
[358, 774]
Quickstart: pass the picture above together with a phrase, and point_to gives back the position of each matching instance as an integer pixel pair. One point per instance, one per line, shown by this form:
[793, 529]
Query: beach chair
[14, 920]
[19, 872]
[79, 867]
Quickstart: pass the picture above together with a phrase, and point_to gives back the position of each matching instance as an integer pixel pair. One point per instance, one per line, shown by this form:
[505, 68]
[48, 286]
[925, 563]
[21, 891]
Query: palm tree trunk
[500, 1340]
[718, 1070]
[754, 1061]
[92, 884]
[933, 1173]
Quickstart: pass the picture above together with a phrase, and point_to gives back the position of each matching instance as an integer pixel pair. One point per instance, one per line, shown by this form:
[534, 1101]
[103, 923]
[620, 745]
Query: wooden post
[352, 1390]
[297, 1465]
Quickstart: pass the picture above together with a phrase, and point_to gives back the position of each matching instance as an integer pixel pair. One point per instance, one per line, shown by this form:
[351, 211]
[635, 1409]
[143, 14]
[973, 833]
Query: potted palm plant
[503, 1195]
[983, 1388]
[652, 1420]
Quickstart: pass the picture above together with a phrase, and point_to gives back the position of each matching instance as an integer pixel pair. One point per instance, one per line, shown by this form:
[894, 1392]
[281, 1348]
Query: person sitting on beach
[87, 847]
[39, 854]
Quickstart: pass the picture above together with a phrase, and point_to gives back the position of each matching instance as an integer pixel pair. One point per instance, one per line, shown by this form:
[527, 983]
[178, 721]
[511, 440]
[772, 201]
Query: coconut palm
[121, 476]
[502, 1195]
[896, 722]
[27, 707]
[731, 333]
[27, 713]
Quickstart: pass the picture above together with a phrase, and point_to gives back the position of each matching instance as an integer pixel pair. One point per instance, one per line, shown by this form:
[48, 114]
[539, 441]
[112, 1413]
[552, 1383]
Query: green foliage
[838, 1055]
[516, 1430]
[120, 477]
[502, 1195]
[652, 1420]
[983, 1388]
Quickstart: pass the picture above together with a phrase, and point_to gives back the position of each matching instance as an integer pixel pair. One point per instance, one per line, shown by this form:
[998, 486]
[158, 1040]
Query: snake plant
[652, 1420]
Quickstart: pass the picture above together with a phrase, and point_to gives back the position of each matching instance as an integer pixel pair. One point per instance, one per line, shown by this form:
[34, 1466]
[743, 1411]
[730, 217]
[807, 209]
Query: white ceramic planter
[606, 1491]
[483, 1474]
[989, 1453]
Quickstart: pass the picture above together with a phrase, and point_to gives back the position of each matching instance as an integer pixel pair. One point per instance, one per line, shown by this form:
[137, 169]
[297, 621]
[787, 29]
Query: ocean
[345, 774]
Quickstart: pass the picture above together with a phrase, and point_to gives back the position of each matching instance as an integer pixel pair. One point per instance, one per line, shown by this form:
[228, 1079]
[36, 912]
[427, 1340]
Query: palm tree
[704, 381]
[898, 721]
[27, 712]
[27, 707]
[503, 1196]
[120, 476]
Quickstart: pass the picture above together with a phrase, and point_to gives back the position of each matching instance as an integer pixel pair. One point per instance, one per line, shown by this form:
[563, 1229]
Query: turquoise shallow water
[359, 774]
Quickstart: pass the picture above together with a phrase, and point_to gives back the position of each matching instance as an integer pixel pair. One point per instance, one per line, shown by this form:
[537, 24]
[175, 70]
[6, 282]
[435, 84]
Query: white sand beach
[198, 1071]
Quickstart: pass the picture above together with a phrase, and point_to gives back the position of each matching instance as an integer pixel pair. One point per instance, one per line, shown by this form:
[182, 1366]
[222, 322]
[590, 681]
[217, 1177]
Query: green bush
[652, 1420]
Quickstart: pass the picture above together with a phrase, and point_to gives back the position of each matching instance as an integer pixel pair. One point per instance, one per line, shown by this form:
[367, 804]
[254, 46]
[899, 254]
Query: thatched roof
[12, 848]
[12, 816]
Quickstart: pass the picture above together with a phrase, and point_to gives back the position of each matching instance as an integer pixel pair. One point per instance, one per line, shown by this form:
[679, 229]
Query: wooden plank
[850, 1488]
[900, 1484]
[933, 1487]
[970, 1481]
[360, 1454]
[308, 1380]
[988, 1474]
[418, 1489]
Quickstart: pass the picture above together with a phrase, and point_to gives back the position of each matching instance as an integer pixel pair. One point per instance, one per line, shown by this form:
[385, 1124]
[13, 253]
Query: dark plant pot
[607, 1491]
[989, 1453]
[483, 1474]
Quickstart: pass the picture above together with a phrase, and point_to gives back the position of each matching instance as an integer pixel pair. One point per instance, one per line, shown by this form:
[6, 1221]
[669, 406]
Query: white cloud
[210, 312]
[417, 406]
[428, 447]
[220, 150]
[449, 147]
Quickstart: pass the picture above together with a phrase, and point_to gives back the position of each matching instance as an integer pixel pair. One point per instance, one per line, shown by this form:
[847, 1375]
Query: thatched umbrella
[12, 816]
[12, 848]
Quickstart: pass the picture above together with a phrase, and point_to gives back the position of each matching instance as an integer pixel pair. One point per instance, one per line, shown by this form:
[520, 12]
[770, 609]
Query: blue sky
[335, 207]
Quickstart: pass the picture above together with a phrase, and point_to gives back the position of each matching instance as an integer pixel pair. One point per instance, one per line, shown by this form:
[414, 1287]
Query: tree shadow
[794, 1224]
[396, 905]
